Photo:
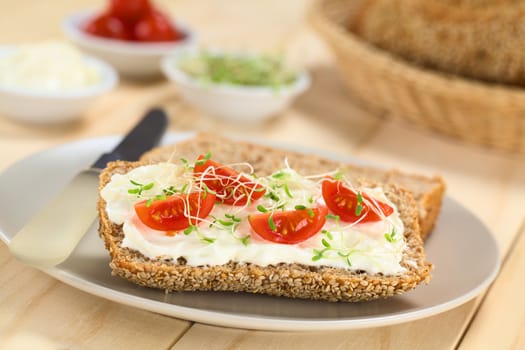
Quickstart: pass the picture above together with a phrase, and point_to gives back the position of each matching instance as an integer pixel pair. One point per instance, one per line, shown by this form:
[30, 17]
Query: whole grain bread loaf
[427, 191]
[480, 39]
[289, 280]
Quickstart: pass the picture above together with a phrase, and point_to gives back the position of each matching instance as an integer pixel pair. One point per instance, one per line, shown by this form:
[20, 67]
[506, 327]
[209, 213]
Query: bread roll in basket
[473, 99]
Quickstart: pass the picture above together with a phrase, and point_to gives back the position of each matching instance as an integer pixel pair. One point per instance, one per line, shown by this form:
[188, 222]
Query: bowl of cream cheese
[50, 82]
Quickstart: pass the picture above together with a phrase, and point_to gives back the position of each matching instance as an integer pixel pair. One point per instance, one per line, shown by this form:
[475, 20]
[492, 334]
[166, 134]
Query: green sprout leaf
[262, 209]
[279, 175]
[271, 223]
[359, 206]
[139, 187]
[207, 189]
[208, 239]
[232, 217]
[189, 229]
[328, 234]
[203, 161]
[333, 217]
[287, 191]
[311, 213]
[186, 163]
[225, 223]
[273, 196]
[245, 240]
[391, 237]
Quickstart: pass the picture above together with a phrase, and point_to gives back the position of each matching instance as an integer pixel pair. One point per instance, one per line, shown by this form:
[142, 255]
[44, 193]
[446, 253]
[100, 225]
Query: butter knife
[53, 233]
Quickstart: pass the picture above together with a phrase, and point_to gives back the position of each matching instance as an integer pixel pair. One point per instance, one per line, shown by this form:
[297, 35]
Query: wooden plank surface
[39, 311]
[36, 309]
[502, 315]
[413, 335]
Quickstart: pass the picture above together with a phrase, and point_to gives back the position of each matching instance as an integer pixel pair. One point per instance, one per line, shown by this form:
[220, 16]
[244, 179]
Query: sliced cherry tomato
[343, 202]
[230, 186]
[169, 214]
[108, 26]
[289, 227]
[154, 27]
[130, 11]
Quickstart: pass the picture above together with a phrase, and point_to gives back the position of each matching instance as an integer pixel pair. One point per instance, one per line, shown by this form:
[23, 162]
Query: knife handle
[54, 232]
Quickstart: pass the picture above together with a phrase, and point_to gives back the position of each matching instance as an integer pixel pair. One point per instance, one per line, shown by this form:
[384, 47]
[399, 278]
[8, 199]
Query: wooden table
[37, 311]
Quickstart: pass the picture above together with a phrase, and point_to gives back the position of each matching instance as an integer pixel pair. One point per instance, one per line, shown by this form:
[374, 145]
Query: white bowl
[38, 106]
[232, 102]
[132, 59]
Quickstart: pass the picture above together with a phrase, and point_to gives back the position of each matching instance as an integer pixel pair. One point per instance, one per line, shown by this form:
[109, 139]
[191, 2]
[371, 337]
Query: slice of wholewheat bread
[427, 191]
[289, 280]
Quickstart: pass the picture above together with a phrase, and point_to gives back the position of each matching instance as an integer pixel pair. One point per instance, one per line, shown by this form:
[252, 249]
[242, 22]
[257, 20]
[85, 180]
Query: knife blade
[53, 233]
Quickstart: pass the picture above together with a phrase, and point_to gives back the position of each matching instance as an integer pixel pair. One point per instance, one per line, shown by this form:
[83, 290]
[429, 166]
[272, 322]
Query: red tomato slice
[155, 27]
[231, 187]
[108, 26]
[169, 214]
[290, 227]
[342, 201]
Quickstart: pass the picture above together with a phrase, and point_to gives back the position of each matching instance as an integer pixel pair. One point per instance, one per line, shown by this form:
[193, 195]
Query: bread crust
[427, 191]
[289, 280]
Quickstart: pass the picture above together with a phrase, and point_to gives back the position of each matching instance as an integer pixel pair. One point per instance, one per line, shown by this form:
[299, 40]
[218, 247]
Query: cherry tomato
[130, 11]
[289, 227]
[169, 214]
[230, 186]
[154, 27]
[108, 26]
[343, 201]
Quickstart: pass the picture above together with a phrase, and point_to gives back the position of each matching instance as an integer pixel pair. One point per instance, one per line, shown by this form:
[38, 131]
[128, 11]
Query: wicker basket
[476, 112]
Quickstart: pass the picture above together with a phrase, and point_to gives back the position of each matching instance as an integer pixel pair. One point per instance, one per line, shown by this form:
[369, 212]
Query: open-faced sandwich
[212, 214]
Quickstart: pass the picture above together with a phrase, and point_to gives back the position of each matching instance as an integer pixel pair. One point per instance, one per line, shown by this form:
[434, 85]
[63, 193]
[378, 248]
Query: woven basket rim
[433, 80]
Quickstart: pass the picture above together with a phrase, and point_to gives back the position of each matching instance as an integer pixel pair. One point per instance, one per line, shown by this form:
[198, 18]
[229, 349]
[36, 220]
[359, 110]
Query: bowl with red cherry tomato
[131, 35]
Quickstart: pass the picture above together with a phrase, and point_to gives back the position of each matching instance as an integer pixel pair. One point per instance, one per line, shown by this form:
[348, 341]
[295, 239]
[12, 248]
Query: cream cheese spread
[358, 246]
[47, 66]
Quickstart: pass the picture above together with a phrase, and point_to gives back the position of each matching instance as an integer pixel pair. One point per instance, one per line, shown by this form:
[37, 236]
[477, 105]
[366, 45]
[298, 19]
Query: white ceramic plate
[464, 253]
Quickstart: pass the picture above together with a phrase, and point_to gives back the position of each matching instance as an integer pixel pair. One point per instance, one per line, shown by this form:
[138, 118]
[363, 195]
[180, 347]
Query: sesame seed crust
[287, 280]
